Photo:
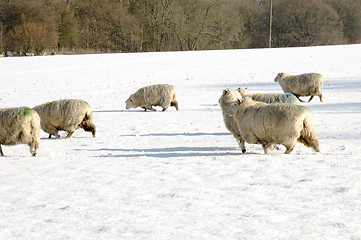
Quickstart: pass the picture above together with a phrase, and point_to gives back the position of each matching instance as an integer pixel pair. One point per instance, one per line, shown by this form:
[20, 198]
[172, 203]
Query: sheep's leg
[1, 151]
[149, 107]
[69, 134]
[32, 150]
[242, 145]
[165, 103]
[311, 98]
[289, 148]
[56, 135]
[52, 130]
[266, 147]
[34, 147]
[321, 98]
[298, 97]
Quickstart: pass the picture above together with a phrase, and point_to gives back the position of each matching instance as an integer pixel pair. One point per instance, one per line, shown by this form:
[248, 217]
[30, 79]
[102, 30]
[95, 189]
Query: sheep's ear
[239, 101]
[225, 91]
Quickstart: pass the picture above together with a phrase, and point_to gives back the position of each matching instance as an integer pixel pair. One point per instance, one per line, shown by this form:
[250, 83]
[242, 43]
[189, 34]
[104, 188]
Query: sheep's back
[273, 121]
[63, 112]
[153, 94]
[304, 84]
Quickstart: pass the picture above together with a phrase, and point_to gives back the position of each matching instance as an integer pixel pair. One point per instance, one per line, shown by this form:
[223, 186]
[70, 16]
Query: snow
[180, 174]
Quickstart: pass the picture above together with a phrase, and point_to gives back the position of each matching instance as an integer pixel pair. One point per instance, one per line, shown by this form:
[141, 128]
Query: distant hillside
[98, 26]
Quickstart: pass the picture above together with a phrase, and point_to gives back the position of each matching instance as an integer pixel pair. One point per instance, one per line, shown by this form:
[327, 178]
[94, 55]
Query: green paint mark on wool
[26, 111]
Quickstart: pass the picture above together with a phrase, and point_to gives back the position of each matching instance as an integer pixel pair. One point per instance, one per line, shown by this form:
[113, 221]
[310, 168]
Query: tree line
[97, 26]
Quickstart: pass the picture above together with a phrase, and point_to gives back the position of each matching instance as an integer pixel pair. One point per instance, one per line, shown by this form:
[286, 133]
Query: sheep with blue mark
[19, 125]
[270, 97]
[307, 84]
[67, 115]
[267, 124]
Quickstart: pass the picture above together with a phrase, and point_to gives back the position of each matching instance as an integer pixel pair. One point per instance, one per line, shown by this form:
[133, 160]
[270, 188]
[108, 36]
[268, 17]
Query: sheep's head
[280, 76]
[242, 91]
[130, 103]
[229, 95]
[233, 107]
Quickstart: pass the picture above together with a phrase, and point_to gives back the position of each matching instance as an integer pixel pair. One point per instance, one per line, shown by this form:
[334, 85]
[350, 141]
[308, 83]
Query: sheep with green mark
[66, 115]
[277, 123]
[20, 125]
[307, 84]
[270, 97]
[163, 95]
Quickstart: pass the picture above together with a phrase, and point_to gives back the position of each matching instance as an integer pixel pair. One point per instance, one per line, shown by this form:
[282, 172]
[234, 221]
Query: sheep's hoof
[243, 150]
[34, 154]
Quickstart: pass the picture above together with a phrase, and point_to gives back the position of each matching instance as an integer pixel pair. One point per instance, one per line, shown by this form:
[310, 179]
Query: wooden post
[270, 26]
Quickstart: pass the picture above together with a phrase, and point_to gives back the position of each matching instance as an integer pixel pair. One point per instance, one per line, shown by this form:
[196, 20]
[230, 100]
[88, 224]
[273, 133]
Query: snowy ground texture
[181, 175]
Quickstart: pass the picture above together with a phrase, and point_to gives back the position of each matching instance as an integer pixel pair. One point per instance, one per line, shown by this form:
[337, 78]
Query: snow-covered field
[181, 175]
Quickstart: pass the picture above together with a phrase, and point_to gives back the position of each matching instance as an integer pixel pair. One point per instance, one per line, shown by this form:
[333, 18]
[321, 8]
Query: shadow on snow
[171, 152]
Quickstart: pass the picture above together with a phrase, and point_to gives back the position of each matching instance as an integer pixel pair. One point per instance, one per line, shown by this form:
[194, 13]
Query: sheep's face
[130, 103]
[279, 76]
[242, 91]
[229, 95]
[232, 109]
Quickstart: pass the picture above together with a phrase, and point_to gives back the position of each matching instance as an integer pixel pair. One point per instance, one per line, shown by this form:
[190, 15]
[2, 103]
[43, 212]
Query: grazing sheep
[282, 123]
[229, 96]
[67, 115]
[308, 84]
[163, 95]
[19, 125]
[270, 97]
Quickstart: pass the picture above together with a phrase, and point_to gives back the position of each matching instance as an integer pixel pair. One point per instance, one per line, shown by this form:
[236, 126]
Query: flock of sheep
[266, 119]
[21, 125]
[272, 118]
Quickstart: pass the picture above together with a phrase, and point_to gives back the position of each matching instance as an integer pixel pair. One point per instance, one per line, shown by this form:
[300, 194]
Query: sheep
[67, 115]
[163, 95]
[270, 97]
[267, 124]
[19, 125]
[230, 95]
[307, 84]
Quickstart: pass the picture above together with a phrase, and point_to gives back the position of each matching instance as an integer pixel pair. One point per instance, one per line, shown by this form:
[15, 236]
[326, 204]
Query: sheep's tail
[308, 135]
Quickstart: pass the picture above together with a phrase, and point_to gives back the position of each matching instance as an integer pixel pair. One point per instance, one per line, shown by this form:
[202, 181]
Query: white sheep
[229, 96]
[270, 97]
[163, 95]
[267, 124]
[20, 125]
[307, 84]
[67, 115]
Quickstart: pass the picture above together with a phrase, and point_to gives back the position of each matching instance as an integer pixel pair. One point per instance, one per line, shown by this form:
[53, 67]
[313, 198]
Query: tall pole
[270, 26]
